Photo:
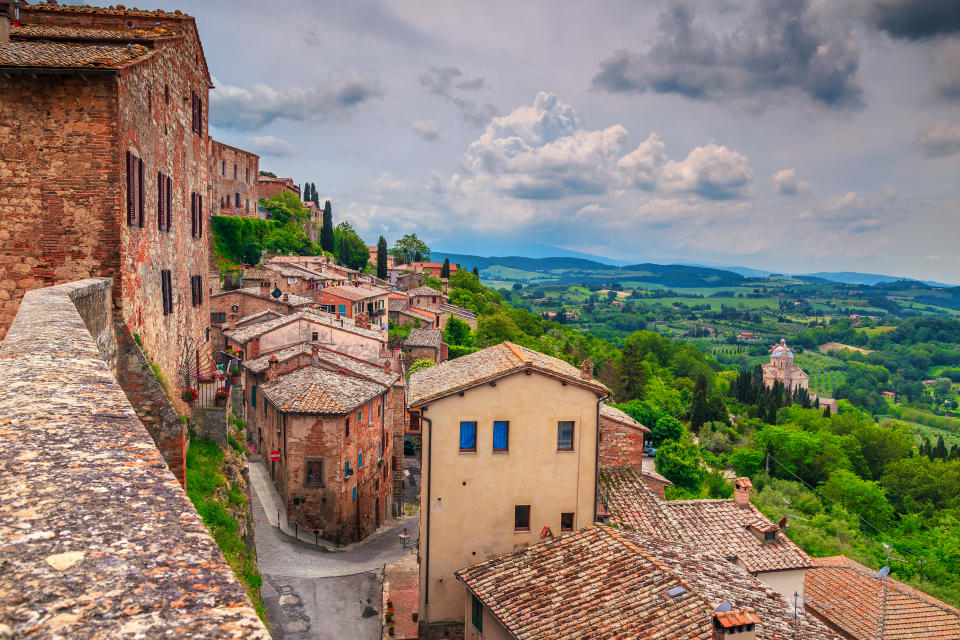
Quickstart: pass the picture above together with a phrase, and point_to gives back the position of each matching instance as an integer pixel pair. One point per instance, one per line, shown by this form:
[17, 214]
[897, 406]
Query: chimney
[232, 322]
[734, 624]
[586, 369]
[272, 367]
[315, 355]
[741, 491]
[6, 15]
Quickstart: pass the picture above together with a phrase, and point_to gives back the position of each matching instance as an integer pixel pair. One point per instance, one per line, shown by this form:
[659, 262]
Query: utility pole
[922, 561]
[796, 598]
[768, 463]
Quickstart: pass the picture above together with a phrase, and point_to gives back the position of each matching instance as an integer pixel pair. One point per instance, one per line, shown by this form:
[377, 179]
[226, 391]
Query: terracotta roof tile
[603, 582]
[65, 55]
[457, 311]
[119, 10]
[631, 503]
[849, 596]
[425, 291]
[314, 389]
[348, 292]
[248, 333]
[617, 415]
[68, 32]
[432, 338]
[487, 365]
[329, 359]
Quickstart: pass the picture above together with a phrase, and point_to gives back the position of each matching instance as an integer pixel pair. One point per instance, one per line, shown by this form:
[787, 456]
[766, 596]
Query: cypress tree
[939, 451]
[772, 411]
[698, 412]
[826, 411]
[445, 270]
[306, 192]
[326, 233]
[382, 258]
[313, 195]
[476, 272]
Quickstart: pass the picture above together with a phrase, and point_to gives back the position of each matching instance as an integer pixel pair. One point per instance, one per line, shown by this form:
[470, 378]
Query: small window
[521, 517]
[501, 436]
[253, 397]
[354, 494]
[468, 436]
[166, 94]
[236, 198]
[565, 435]
[770, 535]
[476, 615]
[346, 430]
[347, 471]
[360, 460]
[315, 336]
[360, 415]
[223, 167]
[566, 522]
[313, 473]
[234, 172]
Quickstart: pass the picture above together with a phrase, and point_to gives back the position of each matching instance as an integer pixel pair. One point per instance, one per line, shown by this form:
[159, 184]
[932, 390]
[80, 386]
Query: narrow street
[315, 593]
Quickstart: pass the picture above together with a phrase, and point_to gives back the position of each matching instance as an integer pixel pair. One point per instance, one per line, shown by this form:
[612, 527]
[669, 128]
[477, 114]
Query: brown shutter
[167, 200]
[193, 108]
[161, 191]
[193, 214]
[165, 290]
[199, 289]
[199, 116]
[131, 210]
[200, 215]
[141, 193]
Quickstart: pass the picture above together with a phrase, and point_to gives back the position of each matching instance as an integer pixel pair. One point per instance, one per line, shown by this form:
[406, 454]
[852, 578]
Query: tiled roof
[68, 32]
[425, 291]
[603, 582]
[292, 299]
[397, 304]
[329, 359]
[347, 292]
[718, 525]
[297, 271]
[259, 273]
[64, 55]
[318, 390]
[847, 594]
[486, 365]
[656, 477]
[246, 334]
[258, 316]
[612, 413]
[420, 313]
[631, 503]
[119, 10]
[432, 338]
[457, 311]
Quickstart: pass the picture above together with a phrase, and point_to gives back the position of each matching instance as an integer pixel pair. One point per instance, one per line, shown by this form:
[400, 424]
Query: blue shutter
[354, 494]
[500, 432]
[468, 436]
[360, 460]
[253, 397]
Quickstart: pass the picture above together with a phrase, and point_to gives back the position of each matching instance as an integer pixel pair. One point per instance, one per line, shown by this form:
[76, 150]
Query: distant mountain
[507, 247]
[853, 277]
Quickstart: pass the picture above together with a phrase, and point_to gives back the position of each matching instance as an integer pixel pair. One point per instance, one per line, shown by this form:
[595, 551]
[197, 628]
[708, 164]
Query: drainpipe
[426, 557]
[596, 465]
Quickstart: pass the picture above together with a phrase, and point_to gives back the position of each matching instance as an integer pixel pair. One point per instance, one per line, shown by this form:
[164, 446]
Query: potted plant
[231, 352]
[392, 629]
[188, 395]
[221, 397]
[234, 373]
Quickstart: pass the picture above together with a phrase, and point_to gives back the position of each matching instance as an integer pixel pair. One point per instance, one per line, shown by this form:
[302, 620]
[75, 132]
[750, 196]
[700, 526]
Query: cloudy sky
[794, 135]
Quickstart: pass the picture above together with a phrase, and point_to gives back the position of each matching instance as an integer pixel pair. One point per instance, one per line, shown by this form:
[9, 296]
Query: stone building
[621, 439]
[509, 456]
[268, 187]
[423, 344]
[783, 369]
[103, 155]
[352, 300]
[233, 179]
[331, 418]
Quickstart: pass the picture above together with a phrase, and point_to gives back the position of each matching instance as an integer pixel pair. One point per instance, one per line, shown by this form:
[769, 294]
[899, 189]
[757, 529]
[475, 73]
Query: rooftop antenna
[785, 521]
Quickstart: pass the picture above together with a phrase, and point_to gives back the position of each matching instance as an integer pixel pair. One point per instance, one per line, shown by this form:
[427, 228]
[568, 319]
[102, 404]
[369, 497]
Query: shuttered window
[161, 197]
[196, 215]
[166, 291]
[168, 198]
[141, 192]
[131, 189]
[196, 290]
[197, 121]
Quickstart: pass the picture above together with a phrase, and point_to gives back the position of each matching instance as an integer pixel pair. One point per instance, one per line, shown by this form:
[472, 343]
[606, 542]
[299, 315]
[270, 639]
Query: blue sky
[793, 135]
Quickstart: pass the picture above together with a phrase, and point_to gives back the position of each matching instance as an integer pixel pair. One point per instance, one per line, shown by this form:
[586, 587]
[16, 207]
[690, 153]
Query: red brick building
[234, 180]
[331, 418]
[103, 153]
[621, 439]
[269, 187]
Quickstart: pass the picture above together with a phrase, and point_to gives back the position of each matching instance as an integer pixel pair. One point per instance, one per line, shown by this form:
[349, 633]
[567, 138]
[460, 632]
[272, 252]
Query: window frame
[518, 509]
[472, 449]
[572, 521]
[506, 448]
[476, 613]
[306, 472]
[573, 430]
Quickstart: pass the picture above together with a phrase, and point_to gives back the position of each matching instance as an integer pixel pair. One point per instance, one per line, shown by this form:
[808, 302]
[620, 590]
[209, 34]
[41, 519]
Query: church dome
[781, 350]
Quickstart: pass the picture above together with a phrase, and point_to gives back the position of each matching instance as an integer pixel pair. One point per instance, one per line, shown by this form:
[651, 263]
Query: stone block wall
[620, 445]
[233, 172]
[88, 502]
[210, 423]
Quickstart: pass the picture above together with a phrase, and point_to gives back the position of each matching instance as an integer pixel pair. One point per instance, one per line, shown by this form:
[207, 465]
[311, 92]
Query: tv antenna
[785, 521]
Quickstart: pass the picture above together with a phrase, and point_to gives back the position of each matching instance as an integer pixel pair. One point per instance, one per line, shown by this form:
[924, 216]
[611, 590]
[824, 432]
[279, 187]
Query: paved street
[315, 593]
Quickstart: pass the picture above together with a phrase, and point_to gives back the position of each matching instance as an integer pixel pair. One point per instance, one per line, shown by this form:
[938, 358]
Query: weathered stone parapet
[97, 538]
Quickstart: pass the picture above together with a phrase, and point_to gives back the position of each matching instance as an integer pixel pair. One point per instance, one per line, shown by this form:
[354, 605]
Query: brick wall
[620, 445]
[231, 172]
[269, 187]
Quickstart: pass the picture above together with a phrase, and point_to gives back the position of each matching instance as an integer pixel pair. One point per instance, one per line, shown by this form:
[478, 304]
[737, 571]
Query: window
[565, 435]
[196, 215]
[136, 191]
[218, 317]
[501, 436]
[342, 309]
[476, 614]
[354, 494]
[197, 109]
[166, 291]
[566, 522]
[347, 471]
[223, 168]
[346, 430]
[253, 397]
[313, 473]
[521, 517]
[248, 205]
[161, 193]
[315, 336]
[228, 201]
[468, 436]
[770, 535]
[236, 196]
[360, 460]
[360, 415]
[235, 173]
[248, 180]
[196, 290]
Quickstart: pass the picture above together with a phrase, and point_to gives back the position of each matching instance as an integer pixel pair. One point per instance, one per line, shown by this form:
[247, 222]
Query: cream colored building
[509, 459]
[783, 369]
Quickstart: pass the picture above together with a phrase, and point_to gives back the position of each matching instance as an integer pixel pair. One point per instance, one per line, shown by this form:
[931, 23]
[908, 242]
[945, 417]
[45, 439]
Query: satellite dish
[722, 607]
[883, 573]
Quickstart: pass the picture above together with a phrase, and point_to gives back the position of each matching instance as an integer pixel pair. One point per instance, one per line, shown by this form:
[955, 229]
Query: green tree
[408, 248]
[666, 429]
[382, 258]
[457, 332]
[496, 328]
[268, 174]
[306, 192]
[476, 272]
[313, 195]
[698, 412]
[420, 365]
[445, 269]
[680, 463]
[351, 250]
[862, 497]
[327, 241]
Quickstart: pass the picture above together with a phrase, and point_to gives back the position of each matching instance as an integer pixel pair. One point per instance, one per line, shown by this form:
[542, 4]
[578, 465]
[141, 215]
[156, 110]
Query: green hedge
[232, 235]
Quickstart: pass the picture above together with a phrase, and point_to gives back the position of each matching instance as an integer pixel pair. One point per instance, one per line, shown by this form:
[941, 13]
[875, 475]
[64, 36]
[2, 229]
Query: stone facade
[621, 445]
[268, 187]
[233, 175]
[63, 193]
[783, 369]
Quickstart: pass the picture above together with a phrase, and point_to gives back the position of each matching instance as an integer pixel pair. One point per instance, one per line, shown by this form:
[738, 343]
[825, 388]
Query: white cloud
[387, 182]
[269, 146]
[939, 139]
[249, 109]
[711, 171]
[427, 129]
[786, 182]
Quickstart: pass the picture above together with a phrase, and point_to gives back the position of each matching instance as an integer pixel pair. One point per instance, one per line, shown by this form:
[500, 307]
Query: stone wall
[620, 445]
[95, 526]
[210, 423]
[233, 172]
